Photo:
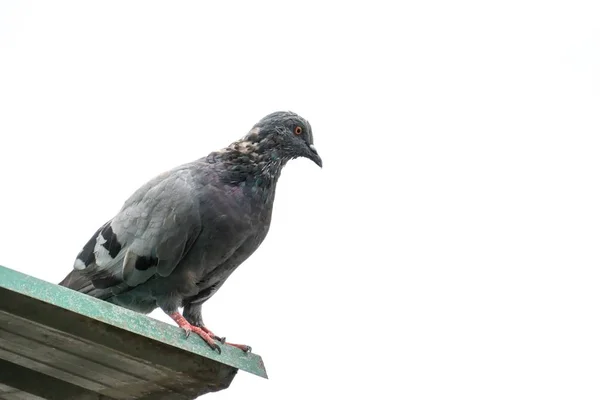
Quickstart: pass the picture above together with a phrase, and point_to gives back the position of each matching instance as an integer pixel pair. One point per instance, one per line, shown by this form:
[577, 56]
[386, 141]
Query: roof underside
[56, 343]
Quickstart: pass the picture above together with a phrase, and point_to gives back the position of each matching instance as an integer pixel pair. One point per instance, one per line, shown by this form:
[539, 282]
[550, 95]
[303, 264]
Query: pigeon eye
[298, 130]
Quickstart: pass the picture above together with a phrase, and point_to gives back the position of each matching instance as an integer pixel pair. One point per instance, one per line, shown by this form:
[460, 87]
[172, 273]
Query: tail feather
[81, 283]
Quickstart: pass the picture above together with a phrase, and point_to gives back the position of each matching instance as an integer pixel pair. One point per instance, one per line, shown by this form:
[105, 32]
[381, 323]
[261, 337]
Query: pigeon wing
[150, 235]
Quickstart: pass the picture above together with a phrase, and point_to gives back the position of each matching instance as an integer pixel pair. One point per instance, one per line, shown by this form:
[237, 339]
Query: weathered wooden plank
[19, 396]
[93, 351]
[49, 370]
[124, 341]
[105, 356]
[10, 393]
[69, 363]
[176, 386]
[6, 389]
[42, 385]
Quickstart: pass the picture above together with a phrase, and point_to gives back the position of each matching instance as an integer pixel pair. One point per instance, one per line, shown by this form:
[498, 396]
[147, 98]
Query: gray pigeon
[179, 236]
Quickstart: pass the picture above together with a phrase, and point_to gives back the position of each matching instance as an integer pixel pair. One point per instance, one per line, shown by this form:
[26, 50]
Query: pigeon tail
[79, 282]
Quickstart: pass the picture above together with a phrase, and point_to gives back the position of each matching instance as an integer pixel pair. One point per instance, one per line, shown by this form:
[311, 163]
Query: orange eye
[298, 130]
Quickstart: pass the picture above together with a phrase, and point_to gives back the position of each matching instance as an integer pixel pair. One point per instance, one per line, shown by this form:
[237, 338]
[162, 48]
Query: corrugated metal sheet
[59, 344]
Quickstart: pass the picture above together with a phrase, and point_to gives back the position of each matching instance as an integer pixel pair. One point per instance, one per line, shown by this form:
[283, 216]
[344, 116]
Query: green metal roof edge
[126, 319]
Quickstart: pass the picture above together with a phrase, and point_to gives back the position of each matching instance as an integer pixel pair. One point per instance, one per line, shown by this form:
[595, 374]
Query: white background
[447, 249]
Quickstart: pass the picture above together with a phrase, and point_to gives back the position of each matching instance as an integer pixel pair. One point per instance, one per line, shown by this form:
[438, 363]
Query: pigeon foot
[243, 347]
[188, 328]
[206, 334]
[212, 335]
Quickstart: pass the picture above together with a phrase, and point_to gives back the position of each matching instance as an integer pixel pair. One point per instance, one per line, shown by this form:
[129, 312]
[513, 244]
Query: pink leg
[187, 327]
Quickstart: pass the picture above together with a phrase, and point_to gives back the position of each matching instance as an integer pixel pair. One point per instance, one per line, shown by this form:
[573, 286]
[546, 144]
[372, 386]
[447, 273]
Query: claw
[212, 335]
[214, 346]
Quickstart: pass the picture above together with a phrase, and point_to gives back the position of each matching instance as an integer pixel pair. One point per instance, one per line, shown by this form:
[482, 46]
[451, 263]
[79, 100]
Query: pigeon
[179, 237]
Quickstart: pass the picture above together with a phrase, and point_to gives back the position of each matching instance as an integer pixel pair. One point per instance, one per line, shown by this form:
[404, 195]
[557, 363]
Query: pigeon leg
[243, 347]
[187, 327]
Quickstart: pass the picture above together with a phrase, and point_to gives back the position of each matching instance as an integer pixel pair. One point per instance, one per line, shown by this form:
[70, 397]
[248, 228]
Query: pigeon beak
[315, 156]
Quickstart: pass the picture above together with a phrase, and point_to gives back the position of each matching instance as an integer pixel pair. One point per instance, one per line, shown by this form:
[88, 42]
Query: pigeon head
[257, 159]
[285, 135]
